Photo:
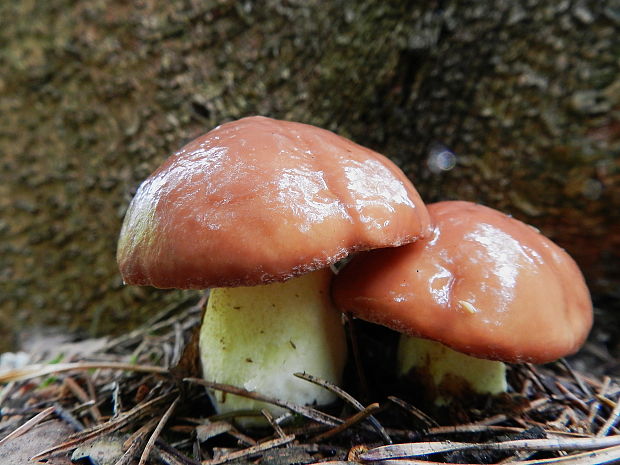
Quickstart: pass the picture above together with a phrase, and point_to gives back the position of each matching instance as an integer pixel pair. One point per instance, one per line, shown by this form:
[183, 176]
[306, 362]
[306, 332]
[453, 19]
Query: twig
[209, 430]
[347, 398]
[416, 412]
[117, 403]
[169, 458]
[177, 351]
[307, 412]
[576, 377]
[338, 462]
[599, 457]
[536, 378]
[486, 424]
[397, 451]
[82, 396]
[170, 452]
[151, 442]
[359, 416]
[110, 426]
[34, 371]
[242, 438]
[611, 421]
[68, 417]
[135, 442]
[38, 418]
[573, 398]
[603, 399]
[173, 308]
[149, 327]
[250, 450]
[272, 421]
[473, 428]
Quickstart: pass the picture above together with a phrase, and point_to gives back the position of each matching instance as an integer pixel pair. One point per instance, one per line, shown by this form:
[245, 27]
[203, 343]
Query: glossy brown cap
[260, 200]
[483, 283]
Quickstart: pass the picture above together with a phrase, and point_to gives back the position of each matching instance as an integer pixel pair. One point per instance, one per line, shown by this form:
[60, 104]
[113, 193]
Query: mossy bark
[95, 94]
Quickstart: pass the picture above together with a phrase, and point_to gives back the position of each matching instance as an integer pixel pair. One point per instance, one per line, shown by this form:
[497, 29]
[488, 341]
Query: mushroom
[482, 289]
[257, 210]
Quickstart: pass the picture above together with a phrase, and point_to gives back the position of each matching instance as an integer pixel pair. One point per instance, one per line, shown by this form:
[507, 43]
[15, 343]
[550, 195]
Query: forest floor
[136, 399]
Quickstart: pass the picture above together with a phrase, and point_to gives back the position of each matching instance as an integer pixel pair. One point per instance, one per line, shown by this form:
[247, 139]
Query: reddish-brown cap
[482, 283]
[260, 200]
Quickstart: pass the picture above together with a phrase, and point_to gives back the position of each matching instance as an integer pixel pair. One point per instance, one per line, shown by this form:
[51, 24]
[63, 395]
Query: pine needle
[35, 371]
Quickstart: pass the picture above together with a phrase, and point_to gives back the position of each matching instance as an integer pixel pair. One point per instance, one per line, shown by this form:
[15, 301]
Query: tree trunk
[523, 98]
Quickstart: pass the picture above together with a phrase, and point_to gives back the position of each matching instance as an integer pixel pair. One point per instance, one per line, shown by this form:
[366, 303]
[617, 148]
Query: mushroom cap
[260, 200]
[482, 283]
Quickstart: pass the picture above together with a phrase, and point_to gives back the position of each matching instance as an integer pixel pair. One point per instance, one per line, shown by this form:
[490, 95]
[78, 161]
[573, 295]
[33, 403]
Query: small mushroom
[258, 210]
[482, 289]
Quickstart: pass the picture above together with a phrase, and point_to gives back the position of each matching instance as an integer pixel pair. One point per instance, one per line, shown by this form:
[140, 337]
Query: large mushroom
[257, 210]
[482, 289]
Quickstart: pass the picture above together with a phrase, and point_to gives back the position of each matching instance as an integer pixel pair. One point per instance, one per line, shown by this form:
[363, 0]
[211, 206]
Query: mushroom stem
[448, 373]
[257, 337]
